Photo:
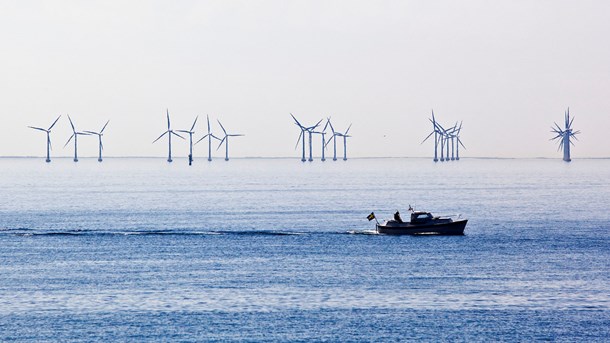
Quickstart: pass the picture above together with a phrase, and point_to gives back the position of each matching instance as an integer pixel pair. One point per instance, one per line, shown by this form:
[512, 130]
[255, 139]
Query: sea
[140, 250]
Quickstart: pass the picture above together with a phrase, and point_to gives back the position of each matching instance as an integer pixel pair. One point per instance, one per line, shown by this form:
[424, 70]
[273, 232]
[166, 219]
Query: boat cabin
[420, 217]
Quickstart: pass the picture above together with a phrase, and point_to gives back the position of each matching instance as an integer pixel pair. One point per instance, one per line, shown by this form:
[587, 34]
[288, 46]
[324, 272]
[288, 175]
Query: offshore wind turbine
[345, 136]
[99, 135]
[209, 136]
[48, 131]
[169, 134]
[434, 132]
[334, 138]
[565, 135]
[190, 132]
[225, 140]
[75, 135]
[302, 134]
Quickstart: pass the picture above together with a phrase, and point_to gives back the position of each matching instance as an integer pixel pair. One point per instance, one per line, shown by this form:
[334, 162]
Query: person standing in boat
[397, 217]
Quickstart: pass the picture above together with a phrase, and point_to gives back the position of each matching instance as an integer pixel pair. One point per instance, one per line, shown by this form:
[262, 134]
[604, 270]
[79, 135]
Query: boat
[423, 223]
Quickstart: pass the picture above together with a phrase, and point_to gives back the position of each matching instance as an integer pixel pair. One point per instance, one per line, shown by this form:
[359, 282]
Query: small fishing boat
[422, 223]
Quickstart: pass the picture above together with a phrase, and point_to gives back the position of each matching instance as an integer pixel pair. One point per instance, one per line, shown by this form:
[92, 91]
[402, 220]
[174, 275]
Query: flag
[371, 216]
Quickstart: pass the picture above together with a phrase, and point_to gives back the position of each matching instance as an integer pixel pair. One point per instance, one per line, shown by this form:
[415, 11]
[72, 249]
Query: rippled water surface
[274, 249]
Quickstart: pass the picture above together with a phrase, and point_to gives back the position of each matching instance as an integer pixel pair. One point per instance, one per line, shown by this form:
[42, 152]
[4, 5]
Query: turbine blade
[349, 127]
[422, 142]
[222, 141]
[222, 127]
[163, 134]
[195, 122]
[202, 138]
[102, 130]
[55, 122]
[208, 123]
[70, 119]
[37, 128]
[296, 121]
[175, 134]
[168, 119]
[298, 140]
[91, 132]
[69, 139]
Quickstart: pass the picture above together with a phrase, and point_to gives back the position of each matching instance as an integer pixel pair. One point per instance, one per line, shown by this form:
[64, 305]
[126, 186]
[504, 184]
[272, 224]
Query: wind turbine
[75, 135]
[345, 136]
[209, 136]
[190, 132]
[169, 134]
[334, 138]
[48, 131]
[302, 134]
[435, 132]
[99, 135]
[565, 135]
[225, 140]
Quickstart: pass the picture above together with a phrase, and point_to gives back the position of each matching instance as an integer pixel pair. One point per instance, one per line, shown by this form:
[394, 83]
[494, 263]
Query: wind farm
[311, 130]
[447, 140]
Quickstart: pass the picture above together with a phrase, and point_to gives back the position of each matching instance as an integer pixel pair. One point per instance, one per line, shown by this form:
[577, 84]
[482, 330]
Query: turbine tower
[323, 133]
[190, 132]
[225, 140]
[434, 132]
[565, 135]
[75, 135]
[459, 142]
[99, 135]
[209, 136]
[48, 131]
[169, 134]
[334, 138]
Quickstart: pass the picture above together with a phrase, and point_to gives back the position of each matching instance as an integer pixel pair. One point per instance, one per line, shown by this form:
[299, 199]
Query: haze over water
[276, 249]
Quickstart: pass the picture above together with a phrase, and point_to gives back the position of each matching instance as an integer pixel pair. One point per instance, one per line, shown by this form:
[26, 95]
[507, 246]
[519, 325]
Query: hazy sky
[508, 69]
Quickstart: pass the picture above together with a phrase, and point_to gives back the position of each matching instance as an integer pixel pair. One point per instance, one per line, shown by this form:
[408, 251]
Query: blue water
[277, 250]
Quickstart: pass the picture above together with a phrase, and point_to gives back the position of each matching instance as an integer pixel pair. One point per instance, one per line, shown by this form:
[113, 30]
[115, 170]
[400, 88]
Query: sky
[506, 69]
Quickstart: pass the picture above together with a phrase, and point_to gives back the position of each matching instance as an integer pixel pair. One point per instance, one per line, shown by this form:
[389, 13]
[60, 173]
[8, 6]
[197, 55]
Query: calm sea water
[278, 250]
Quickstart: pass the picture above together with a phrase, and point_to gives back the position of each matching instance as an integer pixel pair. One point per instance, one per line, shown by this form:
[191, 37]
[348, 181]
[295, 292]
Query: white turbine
[48, 131]
[209, 136]
[302, 134]
[169, 134]
[565, 135]
[225, 140]
[75, 135]
[436, 133]
[190, 132]
[99, 135]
